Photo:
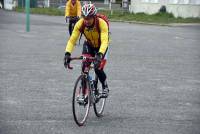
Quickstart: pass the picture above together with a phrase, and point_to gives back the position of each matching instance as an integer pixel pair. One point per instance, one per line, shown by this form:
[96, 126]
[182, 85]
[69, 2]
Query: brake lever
[69, 67]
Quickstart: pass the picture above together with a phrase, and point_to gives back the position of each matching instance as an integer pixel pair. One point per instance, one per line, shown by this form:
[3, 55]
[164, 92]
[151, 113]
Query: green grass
[163, 18]
[46, 11]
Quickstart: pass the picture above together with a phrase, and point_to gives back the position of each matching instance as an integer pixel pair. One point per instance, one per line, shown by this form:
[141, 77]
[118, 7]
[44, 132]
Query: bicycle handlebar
[74, 18]
[80, 58]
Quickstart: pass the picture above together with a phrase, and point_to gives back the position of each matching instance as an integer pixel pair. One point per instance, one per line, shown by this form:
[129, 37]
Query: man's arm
[104, 36]
[67, 8]
[78, 8]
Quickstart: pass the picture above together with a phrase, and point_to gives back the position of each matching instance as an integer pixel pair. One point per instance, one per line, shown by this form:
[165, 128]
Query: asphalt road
[153, 74]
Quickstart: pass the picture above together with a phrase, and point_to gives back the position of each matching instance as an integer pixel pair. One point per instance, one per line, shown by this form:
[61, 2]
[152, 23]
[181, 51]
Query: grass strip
[161, 18]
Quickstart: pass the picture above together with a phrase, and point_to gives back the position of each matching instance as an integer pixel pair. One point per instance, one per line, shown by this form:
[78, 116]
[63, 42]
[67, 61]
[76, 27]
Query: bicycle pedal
[82, 100]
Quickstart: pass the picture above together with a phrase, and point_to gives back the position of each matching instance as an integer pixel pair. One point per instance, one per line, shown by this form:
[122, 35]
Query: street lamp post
[27, 15]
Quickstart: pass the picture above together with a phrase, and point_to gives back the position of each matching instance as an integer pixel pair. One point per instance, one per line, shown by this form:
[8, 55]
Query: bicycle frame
[88, 59]
[94, 96]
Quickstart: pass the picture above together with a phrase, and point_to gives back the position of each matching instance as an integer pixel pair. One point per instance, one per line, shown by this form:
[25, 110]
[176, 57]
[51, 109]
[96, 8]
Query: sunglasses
[87, 18]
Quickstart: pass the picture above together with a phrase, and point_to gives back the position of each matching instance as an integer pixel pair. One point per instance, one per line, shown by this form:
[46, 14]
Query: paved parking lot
[153, 74]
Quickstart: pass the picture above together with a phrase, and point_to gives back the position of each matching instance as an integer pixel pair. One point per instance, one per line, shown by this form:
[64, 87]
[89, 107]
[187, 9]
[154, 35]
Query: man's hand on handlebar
[67, 18]
[67, 59]
[75, 18]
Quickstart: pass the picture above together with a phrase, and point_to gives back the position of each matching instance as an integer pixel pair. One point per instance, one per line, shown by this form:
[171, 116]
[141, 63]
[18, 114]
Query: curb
[157, 24]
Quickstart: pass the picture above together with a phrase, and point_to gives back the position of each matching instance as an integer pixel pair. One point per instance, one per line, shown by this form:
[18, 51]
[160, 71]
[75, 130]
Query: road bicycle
[87, 92]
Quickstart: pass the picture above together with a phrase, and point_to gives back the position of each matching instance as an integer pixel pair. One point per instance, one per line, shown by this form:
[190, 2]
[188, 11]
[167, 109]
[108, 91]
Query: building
[179, 8]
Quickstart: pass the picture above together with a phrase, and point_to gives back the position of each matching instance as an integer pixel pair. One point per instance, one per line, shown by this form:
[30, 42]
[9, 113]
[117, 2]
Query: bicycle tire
[99, 111]
[74, 100]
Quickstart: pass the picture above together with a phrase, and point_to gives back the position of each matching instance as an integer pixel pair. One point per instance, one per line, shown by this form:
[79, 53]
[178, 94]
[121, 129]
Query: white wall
[8, 4]
[184, 11]
[180, 8]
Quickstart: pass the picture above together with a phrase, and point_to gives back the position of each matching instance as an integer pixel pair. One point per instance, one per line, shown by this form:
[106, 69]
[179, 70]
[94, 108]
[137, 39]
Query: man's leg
[72, 23]
[102, 77]
[87, 50]
[70, 28]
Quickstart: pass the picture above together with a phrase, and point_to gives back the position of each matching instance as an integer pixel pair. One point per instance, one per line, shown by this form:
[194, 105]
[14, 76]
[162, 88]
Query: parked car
[62, 7]
[40, 4]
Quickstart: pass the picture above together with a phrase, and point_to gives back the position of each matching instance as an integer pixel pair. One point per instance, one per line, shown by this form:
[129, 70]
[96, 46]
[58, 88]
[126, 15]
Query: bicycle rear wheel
[100, 102]
[81, 100]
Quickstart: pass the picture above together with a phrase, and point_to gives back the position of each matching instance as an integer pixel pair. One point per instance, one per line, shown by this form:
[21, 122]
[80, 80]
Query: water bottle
[90, 78]
[91, 82]
[93, 89]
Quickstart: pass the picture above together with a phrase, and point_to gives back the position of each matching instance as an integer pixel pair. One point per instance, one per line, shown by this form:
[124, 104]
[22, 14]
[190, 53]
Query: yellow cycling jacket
[92, 36]
[73, 10]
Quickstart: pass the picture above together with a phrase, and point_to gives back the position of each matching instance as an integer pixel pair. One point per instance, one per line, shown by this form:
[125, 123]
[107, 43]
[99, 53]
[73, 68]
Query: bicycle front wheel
[100, 102]
[81, 100]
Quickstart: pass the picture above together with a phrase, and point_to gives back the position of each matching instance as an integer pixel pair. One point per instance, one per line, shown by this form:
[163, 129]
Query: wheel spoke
[81, 101]
[100, 102]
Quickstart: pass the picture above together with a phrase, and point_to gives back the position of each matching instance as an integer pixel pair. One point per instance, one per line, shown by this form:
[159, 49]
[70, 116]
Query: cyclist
[72, 12]
[96, 43]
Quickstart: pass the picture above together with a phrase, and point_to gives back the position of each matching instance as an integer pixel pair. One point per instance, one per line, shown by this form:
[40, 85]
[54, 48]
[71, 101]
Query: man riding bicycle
[95, 30]
[73, 13]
